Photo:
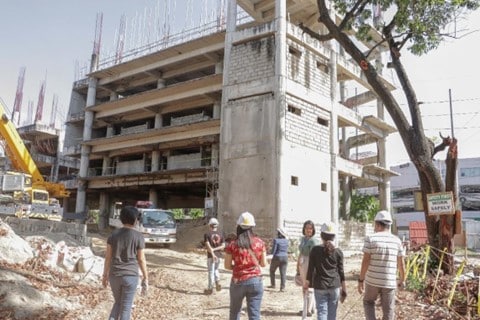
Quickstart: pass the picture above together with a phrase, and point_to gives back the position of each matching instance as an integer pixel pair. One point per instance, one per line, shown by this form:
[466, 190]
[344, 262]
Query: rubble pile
[41, 279]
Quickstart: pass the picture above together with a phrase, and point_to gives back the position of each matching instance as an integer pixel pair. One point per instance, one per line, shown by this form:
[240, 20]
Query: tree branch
[371, 74]
[315, 35]
[360, 5]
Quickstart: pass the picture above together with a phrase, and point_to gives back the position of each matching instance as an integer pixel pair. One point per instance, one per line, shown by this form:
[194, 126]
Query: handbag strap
[254, 258]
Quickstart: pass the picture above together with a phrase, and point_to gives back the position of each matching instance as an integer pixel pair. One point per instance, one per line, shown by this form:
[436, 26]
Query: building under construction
[253, 116]
[42, 139]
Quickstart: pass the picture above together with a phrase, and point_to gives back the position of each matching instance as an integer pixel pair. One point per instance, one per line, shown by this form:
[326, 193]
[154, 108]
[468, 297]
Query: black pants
[279, 262]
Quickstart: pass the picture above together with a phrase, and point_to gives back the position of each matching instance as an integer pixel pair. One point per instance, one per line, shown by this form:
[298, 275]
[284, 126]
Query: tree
[363, 207]
[418, 26]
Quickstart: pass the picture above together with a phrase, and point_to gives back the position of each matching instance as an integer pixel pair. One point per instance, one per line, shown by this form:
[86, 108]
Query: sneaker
[271, 287]
[208, 291]
[282, 289]
[218, 286]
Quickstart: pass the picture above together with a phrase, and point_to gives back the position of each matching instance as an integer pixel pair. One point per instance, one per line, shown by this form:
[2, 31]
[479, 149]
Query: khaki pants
[387, 299]
[309, 298]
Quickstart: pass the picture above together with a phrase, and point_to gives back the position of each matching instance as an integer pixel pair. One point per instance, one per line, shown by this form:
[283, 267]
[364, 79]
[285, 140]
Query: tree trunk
[417, 145]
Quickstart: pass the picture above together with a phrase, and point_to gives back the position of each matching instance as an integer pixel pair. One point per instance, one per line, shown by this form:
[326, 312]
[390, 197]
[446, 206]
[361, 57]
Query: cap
[246, 220]
[328, 228]
[384, 216]
[213, 221]
[282, 232]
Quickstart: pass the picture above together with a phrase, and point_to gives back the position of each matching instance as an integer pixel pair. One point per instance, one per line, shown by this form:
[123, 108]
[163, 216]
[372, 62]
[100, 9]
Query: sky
[53, 40]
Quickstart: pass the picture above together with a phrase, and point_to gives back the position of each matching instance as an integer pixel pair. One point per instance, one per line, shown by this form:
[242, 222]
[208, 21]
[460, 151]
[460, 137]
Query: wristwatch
[360, 281]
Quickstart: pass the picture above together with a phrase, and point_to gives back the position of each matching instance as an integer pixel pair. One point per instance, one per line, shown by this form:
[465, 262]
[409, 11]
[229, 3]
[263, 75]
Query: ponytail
[328, 241]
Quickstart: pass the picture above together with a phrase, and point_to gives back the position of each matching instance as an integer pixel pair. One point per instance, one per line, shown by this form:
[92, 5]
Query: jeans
[327, 303]
[213, 273]
[123, 289]
[279, 262]
[252, 289]
[387, 298]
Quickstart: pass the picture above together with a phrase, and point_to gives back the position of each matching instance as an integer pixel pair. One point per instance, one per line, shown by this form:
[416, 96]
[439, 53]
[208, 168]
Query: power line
[444, 101]
[448, 114]
[456, 128]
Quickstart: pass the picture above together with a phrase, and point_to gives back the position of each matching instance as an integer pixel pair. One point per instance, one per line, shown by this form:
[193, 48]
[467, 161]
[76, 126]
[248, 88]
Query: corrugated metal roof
[418, 232]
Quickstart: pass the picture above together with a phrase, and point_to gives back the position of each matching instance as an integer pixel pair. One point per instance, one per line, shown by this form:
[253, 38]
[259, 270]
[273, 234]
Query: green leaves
[421, 24]
[363, 207]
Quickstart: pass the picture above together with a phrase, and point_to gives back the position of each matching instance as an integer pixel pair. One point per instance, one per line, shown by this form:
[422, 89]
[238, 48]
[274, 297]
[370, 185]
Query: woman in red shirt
[245, 256]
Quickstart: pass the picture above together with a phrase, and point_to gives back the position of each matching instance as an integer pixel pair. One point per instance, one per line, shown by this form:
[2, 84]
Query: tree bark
[418, 146]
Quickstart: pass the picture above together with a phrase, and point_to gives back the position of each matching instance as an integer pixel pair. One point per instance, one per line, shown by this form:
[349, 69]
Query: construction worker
[214, 242]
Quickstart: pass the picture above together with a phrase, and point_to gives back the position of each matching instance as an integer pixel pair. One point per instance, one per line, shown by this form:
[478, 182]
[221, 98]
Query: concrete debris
[13, 249]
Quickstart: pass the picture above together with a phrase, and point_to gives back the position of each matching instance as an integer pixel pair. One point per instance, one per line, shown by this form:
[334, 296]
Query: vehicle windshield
[158, 218]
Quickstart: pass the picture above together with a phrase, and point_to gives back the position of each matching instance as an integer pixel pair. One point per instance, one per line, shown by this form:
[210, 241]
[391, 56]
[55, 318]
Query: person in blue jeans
[279, 259]
[214, 242]
[123, 257]
[325, 274]
[245, 256]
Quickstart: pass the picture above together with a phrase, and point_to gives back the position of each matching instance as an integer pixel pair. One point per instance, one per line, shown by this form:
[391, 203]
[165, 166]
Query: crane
[39, 196]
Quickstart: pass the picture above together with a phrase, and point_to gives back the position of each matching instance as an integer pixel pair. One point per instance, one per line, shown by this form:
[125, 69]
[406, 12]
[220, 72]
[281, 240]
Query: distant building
[405, 185]
[405, 191]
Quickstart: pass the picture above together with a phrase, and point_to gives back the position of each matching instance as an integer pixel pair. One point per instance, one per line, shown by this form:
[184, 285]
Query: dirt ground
[178, 277]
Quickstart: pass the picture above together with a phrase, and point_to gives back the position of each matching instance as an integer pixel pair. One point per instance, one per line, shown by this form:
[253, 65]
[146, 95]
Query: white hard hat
[384, 216]
[328, 228]
[282, 232]
[246, 220]
[213, 221]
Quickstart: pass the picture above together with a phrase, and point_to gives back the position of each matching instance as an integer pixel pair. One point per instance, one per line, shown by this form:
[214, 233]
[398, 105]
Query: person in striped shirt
[383, 256]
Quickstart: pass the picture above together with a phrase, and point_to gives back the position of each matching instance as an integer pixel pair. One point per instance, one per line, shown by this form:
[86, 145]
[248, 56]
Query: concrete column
[216, 109]
[231, 26]
[153, 197]
[334, 148]
[164, 163]
[219, 67]
[160, 83]
[113, 96]
[109, 131]
[383, 188]
[104, 202]
[85, 151]
[345, 185]
[230, 29]
[155, 160]
[214, 156]
[106, 170]
[281, 50]
[158, 120]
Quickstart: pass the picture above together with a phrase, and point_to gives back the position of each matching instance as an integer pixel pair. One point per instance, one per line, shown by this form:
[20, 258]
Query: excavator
[24, 192]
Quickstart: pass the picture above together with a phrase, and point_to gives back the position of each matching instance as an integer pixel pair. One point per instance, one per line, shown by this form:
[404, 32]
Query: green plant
[93, 216]
[363, 207]
[196, 213]
[178, 214]
[415, 284]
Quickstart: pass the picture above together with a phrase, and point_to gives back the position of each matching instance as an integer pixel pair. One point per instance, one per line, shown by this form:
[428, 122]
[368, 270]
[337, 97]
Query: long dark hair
[244, 237]
[328, 240]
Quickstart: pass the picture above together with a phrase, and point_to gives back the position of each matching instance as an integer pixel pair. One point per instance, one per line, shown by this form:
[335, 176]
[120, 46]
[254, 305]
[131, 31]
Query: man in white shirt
[382, 257]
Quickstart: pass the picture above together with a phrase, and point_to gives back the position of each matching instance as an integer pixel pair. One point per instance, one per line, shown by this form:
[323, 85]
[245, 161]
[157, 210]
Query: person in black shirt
[325, 274]
[214, 242]
[124, 256]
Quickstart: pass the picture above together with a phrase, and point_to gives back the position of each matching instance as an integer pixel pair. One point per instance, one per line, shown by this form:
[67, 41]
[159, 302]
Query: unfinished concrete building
[253, 117]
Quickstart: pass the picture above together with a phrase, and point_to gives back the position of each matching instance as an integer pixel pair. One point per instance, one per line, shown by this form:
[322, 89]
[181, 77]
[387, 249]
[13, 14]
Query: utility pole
[451, 112]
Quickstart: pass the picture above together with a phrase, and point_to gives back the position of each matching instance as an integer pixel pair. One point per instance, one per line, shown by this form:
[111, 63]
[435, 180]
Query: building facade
[252, 117]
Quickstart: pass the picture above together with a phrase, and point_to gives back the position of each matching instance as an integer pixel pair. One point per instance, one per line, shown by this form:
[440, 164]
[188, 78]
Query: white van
[157, 225]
